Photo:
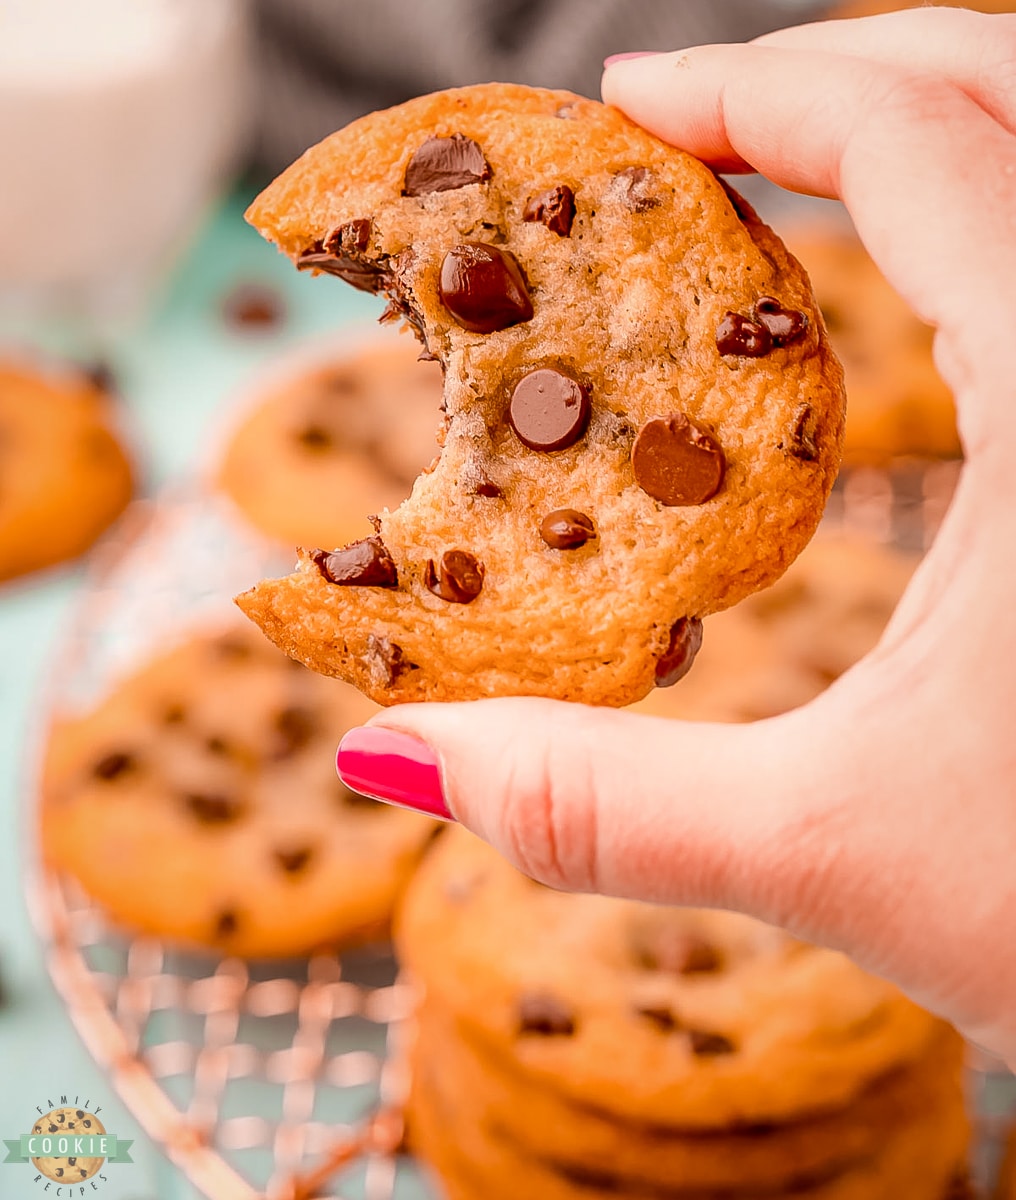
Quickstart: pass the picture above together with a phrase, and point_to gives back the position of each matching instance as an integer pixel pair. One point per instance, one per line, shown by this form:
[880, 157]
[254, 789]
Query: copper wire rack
[286, 1080]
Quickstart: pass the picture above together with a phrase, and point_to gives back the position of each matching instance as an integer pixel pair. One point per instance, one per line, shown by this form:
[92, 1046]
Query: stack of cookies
[578, 1048]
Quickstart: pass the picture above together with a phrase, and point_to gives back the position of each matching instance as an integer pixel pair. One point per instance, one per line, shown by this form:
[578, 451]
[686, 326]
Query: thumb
[593, 799]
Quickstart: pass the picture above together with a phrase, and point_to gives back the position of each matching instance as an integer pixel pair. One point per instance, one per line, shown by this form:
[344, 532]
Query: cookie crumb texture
[64, 476]
[617, 341]
[199, 802]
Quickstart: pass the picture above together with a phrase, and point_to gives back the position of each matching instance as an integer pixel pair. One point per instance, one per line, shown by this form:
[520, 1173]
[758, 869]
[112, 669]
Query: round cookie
[68, 1122]
[64, 476]
[621, 338]
[898, 404]
[199, 802]
[333, 441]
[780, 648]
[723, 1020]
[475, 1088]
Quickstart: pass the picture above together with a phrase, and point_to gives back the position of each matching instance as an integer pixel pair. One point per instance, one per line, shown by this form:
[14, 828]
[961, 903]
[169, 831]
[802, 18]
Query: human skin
[879, 819]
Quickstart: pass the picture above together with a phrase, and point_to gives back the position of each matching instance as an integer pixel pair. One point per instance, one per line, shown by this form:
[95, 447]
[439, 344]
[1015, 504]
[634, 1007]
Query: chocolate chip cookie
[199, 802]
[64, 474]
[643, 412]
[335, 440]
[68, 1123]
[899, 404]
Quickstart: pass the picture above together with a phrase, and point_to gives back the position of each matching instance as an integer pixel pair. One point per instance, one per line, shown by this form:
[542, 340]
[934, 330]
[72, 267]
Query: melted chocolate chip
[389, 658]
[549, 410]
[217, 745]
[554, 208]
[174, 714]
[684, 644]
[634, 185]
[567, 529]
[351, 238]
[294, 728]
[343, 253]
[443, 164]
[227, 923]
[361, 564]
[293, 861]
[545, 1015]
[741, 337]
[213, 809]
[112, 766]
[709, 1045]
[676, 462]
[661, 1017]
[254, 306]
[483, 288]
[315, 437]
[458, 579]
[802, 436]
[485, 486]
[785, 325]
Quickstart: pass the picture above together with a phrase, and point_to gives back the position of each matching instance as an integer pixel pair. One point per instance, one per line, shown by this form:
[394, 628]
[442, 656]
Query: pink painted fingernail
[394, 767]
[630, 54]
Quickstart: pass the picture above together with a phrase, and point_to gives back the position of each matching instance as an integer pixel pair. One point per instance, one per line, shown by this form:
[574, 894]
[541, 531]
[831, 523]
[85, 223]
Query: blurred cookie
[629, 446]
[334, 442]
[64, 475]
[870, 8]
[897, 403]
[199, 802]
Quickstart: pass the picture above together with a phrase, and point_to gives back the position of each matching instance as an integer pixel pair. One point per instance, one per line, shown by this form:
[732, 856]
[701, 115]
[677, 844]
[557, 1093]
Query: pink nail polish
[394, 767]
[626, 57]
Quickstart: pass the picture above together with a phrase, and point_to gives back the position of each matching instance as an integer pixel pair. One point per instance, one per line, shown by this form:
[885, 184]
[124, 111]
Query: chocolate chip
[174, 714]
[545, 1015]
[101, 375]
[213, 809]
[343, 253]
[554, 208]
[87, 1124]
[253, 306]
[675, 662]
[112, 766]
[351, 238]
[293, 861]
[634, 186]
[483, 288]
[485, 486]
[567, 529]
[315, 437]
[366, 563]
[741, 337]
[82, 1172]
[227, 923]
[388, 658]
[661, 1017]
[79, 1113]
[709, 1045]
[72, 1162]
[217, 745]
[679, 953]
[802, 436]
[676, 462]
[294, 727]
[459, 579]
[785, 325]
[549, 410]
[443, 164]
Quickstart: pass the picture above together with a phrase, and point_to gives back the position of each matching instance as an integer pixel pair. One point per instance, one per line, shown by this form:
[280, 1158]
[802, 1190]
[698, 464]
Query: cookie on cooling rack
[898, 405]
[199, 802]
[593, 1047]
[64, 475]
[643, 411]
[333, 441]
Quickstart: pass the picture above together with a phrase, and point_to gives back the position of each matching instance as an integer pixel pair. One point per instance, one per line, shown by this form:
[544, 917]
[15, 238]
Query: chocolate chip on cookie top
[483, 288]
[676, 661]
[458, 578]
[634, 187]
[567, 529]
[366, 563]
[549, 410]
[344, 253]
[443, 164]
[554, 208]
[769, 326]
[114, 765]
[677, 462]
[545, 1015]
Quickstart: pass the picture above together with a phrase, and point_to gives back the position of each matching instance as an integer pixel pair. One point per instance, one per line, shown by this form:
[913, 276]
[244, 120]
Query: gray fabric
[324, 62]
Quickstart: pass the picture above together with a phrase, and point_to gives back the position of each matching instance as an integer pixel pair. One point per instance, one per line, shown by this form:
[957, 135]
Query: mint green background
[178, 366]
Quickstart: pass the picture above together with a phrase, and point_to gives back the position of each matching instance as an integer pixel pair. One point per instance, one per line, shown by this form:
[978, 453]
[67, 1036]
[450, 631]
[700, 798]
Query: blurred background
[140, 316]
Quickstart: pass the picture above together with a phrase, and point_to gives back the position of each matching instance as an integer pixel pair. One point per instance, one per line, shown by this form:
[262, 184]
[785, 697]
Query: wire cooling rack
[286, 1081]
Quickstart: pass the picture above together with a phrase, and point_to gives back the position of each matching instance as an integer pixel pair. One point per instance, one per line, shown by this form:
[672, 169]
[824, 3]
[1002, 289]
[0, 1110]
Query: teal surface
[177, 367]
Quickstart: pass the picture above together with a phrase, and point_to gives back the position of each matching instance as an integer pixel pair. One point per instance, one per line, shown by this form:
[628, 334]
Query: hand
[881, 818]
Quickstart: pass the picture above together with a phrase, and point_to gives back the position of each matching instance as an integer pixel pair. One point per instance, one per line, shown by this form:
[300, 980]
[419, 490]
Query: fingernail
[394, 767]
[616, 58]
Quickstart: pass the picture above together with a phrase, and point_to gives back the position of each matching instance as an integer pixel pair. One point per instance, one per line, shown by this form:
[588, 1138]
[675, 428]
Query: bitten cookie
[899, 404]
[64, 476]
[643, 412]
[333, 442]
[199, 802]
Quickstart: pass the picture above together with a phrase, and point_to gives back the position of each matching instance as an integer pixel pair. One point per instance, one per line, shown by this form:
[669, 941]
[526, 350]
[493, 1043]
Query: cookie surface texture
[622, 338]
[198, 802]
[64, 475]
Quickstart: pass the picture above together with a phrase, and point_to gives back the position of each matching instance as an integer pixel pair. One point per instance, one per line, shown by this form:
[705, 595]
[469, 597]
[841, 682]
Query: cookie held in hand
[623, 342]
